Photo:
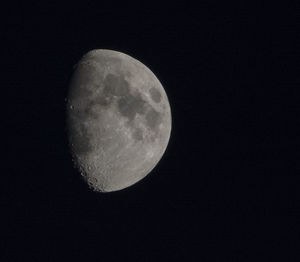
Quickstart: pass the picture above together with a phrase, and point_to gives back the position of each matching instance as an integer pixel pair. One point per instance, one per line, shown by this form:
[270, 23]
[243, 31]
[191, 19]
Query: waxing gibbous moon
[118, 119]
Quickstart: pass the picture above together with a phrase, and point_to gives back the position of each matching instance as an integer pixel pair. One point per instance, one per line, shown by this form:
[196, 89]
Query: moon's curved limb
[119, 119]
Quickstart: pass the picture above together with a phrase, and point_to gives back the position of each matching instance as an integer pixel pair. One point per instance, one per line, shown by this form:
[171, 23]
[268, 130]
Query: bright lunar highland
[118, 119]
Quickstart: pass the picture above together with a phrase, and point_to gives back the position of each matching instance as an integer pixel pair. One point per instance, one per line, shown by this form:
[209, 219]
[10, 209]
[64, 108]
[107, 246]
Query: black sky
[227, 188]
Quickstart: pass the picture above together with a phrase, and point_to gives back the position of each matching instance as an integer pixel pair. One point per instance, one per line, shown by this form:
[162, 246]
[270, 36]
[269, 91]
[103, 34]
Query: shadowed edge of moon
[115, 88]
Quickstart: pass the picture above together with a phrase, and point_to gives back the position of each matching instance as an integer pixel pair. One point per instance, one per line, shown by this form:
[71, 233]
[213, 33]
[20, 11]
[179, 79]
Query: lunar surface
[118, 119]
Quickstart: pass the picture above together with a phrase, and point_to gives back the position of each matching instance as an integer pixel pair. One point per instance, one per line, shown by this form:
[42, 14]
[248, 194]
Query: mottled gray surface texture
[119, 119]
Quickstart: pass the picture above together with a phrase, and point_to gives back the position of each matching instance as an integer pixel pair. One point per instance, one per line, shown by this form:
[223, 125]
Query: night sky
[227, 188]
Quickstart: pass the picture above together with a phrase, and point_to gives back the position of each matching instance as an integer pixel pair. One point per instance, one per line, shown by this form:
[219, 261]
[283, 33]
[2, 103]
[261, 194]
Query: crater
[88, 110]
[155, 94]
[76, 114]
[80, 139]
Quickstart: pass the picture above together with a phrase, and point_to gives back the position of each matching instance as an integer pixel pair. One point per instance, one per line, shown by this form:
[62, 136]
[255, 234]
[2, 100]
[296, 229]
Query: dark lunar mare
[129, 104]
[114, 87]
[155, 94]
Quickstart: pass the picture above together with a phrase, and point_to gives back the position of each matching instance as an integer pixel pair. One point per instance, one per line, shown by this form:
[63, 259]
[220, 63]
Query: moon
[118, 119]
